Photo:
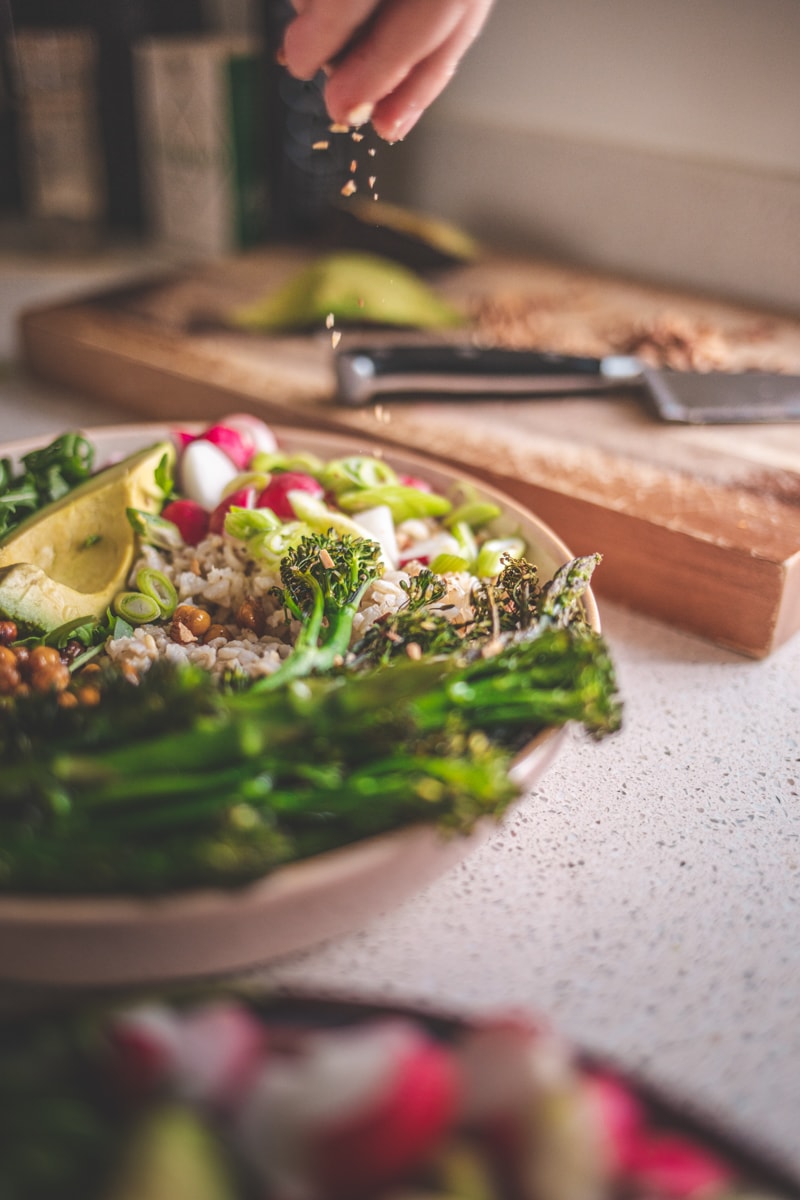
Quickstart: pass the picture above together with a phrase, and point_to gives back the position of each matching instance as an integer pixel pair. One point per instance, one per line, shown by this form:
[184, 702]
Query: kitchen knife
[366, 374]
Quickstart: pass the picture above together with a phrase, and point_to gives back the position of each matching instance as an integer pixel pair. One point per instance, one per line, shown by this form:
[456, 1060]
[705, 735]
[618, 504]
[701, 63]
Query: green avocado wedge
[354, 288]
[71, 558]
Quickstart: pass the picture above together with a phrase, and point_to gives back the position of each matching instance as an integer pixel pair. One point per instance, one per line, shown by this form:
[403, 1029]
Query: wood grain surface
[698, 526]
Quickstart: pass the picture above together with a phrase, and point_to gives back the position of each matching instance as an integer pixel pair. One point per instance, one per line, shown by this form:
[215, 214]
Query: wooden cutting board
[698, 526]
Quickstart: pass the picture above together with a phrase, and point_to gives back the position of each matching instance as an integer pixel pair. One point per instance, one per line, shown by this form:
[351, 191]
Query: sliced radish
[424, 552]
[672, 1167]
[619, 1117]
[276, 494]
[414, 481]
[142, 1049]
[220, 1051]
[254, 431]
[204, 471]
[350, 1112]
[190, 517]
[377, 523]
[243, 498]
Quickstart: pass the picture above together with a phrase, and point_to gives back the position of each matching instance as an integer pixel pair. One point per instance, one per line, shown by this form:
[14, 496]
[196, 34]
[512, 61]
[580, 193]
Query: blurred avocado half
[350, 288]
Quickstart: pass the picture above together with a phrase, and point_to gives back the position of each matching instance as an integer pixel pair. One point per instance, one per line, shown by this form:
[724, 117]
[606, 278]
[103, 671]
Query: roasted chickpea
[8, 632]
[8, 658]
[250, 615]
[9, 680]
[88, 695]
[42, 656]
[215, 631]
[50, 677]
[196, 620]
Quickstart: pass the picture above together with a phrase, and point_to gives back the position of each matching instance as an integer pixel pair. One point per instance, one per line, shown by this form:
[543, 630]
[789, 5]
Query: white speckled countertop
[646, 898]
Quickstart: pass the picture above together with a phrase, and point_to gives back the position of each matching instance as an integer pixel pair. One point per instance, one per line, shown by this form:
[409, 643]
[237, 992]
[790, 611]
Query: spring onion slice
[137, 608]
[158, 587]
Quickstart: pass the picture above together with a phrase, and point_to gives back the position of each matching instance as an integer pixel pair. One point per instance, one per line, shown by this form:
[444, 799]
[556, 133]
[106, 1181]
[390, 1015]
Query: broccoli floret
[418, 623]
[324, 579]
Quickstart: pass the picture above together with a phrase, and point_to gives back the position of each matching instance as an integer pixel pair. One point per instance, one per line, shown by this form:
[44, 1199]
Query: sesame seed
[325, 559]
[336, 337]
[349, 188]
[329, 321]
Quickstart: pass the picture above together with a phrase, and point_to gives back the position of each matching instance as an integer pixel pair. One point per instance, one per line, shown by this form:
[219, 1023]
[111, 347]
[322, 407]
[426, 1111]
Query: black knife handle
[367, 372]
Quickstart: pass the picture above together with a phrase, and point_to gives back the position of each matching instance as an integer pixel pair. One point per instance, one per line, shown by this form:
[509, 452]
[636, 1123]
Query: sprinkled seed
[371, 152]
[323, 145]
[371, 180]
[353, 166]
[356, 136]
[336, 337]
[329, 320]
[337, 128]
[349, 188]
[325, 559]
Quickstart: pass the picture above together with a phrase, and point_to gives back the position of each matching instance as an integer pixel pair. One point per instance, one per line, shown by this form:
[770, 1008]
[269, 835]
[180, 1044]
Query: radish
[276, 494]
[355, 1109]
[619, 1117]
[243, 498]
[220, 1050]
[204, 471]
[238, 447]
[670, 1166]
[424, 552]
[377, 523]
[190, 517]
[142, 1049]
[253, 431]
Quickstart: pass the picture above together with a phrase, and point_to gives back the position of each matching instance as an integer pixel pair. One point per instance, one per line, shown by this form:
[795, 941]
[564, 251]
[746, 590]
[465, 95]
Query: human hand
[386, 60]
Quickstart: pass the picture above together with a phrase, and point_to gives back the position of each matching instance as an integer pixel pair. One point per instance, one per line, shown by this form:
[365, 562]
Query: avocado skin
[172, 1155]
[69, 560]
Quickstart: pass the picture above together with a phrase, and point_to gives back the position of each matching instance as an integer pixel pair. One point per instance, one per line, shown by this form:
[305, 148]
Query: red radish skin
[619, 1117]
[142, 1051]
[413, 481]
[397, 1132]
[221, 1050]
[243, 498]
[276, 494]
[238, 447]
[673, 1168]
[190, 517]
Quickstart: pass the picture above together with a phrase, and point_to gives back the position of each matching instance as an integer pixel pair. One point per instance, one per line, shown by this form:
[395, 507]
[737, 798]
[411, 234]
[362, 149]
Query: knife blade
[366, 374]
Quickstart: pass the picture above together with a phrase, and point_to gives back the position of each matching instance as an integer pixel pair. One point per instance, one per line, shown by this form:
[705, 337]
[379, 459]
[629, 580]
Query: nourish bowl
[387, 654]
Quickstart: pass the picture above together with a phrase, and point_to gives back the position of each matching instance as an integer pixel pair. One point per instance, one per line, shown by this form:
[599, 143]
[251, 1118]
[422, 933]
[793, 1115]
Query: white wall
[656, 137]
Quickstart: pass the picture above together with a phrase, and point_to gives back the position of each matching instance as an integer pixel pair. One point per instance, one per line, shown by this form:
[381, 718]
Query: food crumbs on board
[371, 152]
[353, 166]
[336, 337]
[329, 321]
[356, 136]
[336, 128]
[349, 188]
[371, 181]
[325, 559]
[323, 145]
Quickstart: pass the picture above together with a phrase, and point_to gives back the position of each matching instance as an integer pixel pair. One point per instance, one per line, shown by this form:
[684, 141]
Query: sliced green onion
[254, 479]
[271, 547]
[463, 534]
[474, 513]
[490, 555]
[356, 471]
[136, 608]
[404, 502]
[264, 461]
[158, 587]
[316, 514]
[448, 564]
[155, 530]
[246, 523]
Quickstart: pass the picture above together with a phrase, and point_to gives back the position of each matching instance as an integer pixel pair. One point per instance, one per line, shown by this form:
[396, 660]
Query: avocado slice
[355, 288]
[71, 558]
[170, 1155]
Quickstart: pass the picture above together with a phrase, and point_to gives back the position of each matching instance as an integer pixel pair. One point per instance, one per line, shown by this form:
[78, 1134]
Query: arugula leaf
[46, 475]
